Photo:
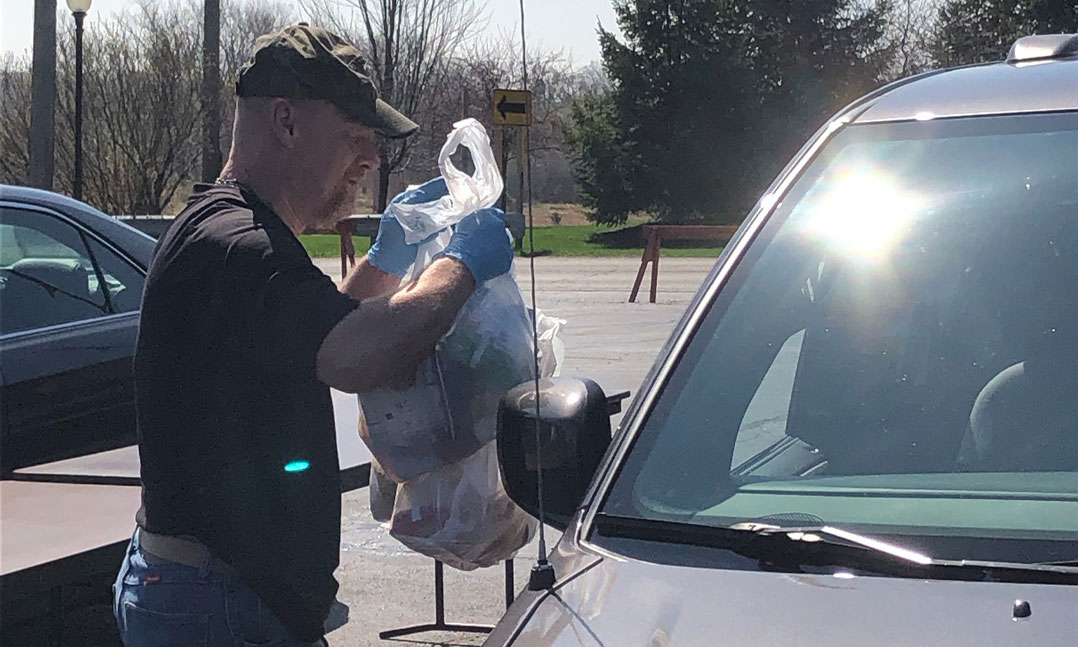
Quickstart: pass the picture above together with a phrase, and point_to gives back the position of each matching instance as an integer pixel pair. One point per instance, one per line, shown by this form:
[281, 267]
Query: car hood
[614, 602]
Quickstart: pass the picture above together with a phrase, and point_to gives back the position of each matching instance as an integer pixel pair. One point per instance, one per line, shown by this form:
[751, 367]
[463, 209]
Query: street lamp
[78, 9]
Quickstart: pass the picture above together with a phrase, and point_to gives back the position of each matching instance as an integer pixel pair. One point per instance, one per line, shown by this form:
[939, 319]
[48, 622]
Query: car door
[68, 323]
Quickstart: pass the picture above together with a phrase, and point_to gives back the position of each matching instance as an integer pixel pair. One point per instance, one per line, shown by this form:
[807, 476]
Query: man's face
[336, 154]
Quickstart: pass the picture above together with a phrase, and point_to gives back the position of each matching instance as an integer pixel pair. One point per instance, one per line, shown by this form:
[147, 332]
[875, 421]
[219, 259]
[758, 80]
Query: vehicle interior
[48, 274]
[905, 326]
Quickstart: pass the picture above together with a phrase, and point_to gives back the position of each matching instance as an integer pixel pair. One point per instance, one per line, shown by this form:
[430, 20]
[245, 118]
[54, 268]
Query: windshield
[896, 353]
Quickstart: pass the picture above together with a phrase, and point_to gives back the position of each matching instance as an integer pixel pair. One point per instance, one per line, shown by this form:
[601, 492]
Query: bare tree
[241, 23]
[142, 109]
[15, 110]
[910, 28]
[495, 62]
[409, 44]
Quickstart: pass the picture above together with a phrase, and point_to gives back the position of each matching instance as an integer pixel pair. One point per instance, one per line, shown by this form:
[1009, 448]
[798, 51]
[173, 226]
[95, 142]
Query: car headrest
[67, 275]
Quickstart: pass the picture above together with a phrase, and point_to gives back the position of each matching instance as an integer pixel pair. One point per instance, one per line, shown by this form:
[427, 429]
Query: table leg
[655, 248]
[643, 267]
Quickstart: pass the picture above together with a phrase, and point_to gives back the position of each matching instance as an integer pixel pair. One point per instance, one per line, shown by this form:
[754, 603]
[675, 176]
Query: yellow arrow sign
[512, 107]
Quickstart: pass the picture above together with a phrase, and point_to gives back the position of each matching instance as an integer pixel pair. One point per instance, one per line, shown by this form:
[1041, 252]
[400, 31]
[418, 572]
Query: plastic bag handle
[467, 193]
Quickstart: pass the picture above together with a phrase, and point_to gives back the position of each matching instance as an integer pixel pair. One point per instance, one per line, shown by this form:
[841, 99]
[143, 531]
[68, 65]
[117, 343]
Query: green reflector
[297, 466]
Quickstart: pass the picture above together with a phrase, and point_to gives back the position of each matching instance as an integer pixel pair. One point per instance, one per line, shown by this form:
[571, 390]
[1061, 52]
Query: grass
[329, 245]
[561, 240]
[572, 240]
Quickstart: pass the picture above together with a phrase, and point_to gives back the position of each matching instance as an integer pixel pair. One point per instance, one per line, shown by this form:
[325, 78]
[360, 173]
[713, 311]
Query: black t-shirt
[236, 433]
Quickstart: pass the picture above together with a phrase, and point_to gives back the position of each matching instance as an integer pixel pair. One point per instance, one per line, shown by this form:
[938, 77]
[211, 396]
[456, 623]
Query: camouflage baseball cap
[304, 62]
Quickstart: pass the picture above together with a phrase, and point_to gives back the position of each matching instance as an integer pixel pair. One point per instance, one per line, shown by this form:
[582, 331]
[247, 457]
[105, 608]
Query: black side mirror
[573, 434]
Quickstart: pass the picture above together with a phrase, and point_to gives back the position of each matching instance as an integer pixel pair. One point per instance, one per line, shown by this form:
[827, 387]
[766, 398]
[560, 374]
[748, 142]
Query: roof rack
[1042, 47]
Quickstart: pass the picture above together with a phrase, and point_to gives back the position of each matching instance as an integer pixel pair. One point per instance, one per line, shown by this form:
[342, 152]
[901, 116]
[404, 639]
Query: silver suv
[865, 428]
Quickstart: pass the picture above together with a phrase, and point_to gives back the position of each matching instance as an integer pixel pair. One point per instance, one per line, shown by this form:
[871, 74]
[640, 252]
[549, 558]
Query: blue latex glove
[389, 252]
[482, 244]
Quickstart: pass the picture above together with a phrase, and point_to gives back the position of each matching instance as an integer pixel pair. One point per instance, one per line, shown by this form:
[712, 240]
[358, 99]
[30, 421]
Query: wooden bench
[654, 235]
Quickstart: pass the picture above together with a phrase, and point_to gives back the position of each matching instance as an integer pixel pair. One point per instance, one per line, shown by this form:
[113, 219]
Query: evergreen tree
[976, 31]
[710, 97]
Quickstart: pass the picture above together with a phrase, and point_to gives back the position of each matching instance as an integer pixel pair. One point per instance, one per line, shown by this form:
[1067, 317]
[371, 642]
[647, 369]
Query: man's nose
[369, 158]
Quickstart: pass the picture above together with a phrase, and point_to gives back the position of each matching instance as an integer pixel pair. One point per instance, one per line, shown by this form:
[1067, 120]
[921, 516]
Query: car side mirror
[573, 435]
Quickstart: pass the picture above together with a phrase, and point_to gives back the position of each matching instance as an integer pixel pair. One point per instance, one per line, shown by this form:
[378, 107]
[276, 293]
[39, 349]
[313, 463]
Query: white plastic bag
[551, 347]
[461, 515]
[382, 493]
[452, 409]
[436, 439]
[467, 193]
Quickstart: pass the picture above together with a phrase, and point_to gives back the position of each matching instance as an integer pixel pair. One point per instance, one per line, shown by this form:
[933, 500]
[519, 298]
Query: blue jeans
[159, 603]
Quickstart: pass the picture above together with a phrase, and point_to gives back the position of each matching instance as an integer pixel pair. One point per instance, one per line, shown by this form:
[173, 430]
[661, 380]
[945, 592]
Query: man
[241, 336]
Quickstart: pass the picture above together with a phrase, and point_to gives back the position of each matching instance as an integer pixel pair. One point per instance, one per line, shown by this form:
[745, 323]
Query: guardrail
[152, 226]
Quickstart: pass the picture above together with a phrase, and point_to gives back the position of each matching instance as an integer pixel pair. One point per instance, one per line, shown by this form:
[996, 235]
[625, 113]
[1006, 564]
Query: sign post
[512, 108]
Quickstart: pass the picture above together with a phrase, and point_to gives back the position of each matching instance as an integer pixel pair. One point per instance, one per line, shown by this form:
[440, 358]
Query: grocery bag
[413, 453]
[461, 515]
[451, 410]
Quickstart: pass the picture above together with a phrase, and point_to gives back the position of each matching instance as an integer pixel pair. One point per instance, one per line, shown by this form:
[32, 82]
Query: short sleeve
[292, 315]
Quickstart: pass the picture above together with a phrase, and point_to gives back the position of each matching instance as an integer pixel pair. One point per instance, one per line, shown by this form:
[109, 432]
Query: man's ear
[283, 115]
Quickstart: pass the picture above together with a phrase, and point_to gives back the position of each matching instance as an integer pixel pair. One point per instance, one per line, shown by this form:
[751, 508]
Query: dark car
[70, 287]
[864, 431]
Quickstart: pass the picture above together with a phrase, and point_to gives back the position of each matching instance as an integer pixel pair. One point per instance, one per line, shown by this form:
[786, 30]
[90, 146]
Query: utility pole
[43, 96]
[211, 90]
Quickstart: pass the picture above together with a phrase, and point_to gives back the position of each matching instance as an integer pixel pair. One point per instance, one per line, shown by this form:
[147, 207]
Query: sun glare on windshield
[863, 212]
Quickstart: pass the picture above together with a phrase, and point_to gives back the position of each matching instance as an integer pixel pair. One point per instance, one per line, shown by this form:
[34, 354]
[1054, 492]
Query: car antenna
[542, 575]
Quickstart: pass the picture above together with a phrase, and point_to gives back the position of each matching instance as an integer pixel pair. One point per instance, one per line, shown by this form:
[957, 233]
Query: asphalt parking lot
[607, 339]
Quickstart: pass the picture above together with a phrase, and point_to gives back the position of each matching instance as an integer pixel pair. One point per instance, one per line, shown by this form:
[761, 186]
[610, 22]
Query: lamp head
[79, 6]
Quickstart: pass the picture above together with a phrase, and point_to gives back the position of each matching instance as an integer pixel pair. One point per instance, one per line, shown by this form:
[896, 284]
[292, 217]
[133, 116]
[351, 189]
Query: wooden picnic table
[50, 522]
[58, 538]
[654, 235]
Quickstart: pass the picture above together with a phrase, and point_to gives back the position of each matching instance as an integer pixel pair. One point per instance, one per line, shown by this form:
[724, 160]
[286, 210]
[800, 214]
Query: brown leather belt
[182, 550]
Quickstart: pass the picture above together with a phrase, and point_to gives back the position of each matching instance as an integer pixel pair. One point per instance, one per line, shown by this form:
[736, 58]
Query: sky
[567, 25]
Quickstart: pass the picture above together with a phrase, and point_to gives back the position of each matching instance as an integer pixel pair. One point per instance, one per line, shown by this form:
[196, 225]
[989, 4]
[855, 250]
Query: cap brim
[391, 123]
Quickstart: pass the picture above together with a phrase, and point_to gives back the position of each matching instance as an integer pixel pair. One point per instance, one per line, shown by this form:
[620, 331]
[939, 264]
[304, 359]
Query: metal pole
[523, 160]
[510, 583]
[77, 192]
[211, 90]
[502, 156]
[439, 594]
[43, 96]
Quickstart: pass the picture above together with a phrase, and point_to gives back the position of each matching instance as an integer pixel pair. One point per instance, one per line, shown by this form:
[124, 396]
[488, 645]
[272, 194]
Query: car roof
[1010, 87]
[78, 210]
[131, 240]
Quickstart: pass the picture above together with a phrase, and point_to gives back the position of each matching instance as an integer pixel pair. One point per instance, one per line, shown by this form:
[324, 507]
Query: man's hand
[389, 252]
[482, 245]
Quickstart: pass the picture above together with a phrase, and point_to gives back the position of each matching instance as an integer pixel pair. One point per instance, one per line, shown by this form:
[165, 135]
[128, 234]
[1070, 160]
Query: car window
[123, 283]
[48, 275]
[897, 351]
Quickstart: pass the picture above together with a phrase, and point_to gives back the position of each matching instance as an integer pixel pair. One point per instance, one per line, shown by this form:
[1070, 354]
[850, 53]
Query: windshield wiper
[794, 547]
[830, 533]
